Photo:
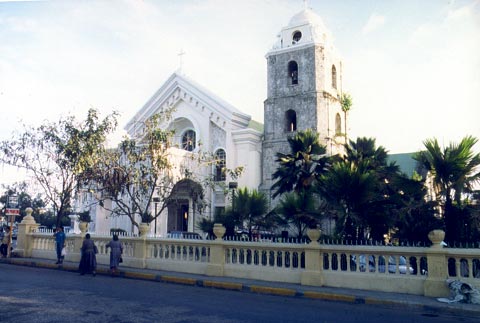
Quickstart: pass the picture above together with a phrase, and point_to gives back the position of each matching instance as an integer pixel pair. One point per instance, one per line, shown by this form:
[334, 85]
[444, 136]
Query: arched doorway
[183, 205]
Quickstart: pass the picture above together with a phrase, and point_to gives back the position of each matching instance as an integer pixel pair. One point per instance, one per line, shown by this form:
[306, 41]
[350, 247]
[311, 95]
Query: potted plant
[313, 233]
[84, 218]
[219, 231]
[144, 226]
[147, 217]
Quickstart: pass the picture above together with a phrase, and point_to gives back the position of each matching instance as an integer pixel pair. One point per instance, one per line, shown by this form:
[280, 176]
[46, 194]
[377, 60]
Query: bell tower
[304, 83]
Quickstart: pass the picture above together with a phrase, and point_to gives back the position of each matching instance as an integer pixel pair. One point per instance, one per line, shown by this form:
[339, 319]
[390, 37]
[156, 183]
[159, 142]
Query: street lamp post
[12, 211]
[233, 186]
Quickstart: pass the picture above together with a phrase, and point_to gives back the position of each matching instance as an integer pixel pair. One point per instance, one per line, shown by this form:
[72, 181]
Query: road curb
[222, 285]
[259, 289]
[332, 297]
[135, 275]
[273, 290]
[179, 280]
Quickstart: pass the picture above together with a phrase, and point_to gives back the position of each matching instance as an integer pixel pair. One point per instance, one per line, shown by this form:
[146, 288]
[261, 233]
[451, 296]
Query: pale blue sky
[412, 67]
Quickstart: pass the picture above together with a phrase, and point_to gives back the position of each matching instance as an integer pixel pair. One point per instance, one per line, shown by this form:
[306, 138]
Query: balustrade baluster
[457, 267]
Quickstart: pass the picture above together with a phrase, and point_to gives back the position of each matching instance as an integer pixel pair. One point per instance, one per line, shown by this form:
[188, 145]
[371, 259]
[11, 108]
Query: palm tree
[415, 217]
[364, 149]
[347, 187]
[454, 169]
[346, 103]
[361, 187]
[250, 208]
[304, 164]
[299, 210]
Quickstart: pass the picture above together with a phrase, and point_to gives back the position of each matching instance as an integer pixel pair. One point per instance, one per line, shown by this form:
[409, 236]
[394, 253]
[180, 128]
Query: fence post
[24, 238]
[217, 255]
[140, 247]
[312, 275]
[435, 284]
[75, 254]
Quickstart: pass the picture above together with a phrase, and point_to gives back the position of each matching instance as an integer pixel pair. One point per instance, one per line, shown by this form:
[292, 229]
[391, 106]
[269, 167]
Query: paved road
[40, 295]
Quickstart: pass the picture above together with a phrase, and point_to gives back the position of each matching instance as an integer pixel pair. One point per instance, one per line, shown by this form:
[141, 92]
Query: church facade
[304, 85]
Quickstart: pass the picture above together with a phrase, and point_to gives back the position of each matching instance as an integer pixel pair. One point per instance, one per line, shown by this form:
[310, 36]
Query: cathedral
[304, 83]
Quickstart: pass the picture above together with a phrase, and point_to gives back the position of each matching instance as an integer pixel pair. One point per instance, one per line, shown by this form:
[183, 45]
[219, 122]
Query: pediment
[179, 88]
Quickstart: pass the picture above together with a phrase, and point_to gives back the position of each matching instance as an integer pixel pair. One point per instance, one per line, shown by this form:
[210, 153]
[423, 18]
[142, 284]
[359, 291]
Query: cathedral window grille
[334, 77]
[220, 163]
[189, 140]
[293, 72]
[338, 125]
[290, 121]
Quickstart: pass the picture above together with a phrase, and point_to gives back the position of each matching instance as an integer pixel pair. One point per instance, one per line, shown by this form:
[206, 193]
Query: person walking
[59, 243]
[88, 260]
[116, 250]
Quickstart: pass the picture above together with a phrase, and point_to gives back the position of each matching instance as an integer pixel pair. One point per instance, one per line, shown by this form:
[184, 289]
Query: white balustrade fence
[414, 270]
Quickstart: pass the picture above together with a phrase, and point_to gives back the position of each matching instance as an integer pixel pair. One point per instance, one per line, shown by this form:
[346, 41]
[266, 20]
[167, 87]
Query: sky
[412, 67]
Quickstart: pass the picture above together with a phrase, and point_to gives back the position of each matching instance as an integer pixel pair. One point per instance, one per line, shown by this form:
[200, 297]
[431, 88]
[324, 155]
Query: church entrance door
[182, 206]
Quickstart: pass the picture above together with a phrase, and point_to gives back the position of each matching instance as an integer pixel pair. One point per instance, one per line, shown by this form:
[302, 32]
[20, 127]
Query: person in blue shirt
[59, 243]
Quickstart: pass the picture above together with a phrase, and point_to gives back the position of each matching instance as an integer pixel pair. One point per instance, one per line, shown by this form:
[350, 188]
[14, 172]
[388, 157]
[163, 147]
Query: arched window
[189, 140]
[334, 77]
[296, 37]
[220, 163]
[293, 72]
[290, 121]
[338, 124]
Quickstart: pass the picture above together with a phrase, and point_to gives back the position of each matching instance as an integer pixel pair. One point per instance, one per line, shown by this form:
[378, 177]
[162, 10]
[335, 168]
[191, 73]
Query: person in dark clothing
[5, 241]
[116, 250]
[88, 260]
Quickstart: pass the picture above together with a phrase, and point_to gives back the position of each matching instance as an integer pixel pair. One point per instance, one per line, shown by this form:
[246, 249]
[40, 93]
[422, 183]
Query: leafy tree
[59, 154]
[455, 170]
[24, 200]
[148, 169]
[136, 172]
[41, 213]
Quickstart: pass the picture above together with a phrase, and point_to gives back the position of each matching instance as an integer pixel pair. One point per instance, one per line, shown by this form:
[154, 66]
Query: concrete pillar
[217, 259]
[435, 284]
[140, 247]
[75, 254]
[312, 275]
[24, 239]
[217, 252]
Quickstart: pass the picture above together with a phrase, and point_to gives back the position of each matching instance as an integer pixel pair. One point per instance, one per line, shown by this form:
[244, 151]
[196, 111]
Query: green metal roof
[405, 161]
[256, 125]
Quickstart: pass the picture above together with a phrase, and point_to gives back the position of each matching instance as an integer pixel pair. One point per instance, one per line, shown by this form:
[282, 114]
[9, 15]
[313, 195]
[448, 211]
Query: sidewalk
[262, 287]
